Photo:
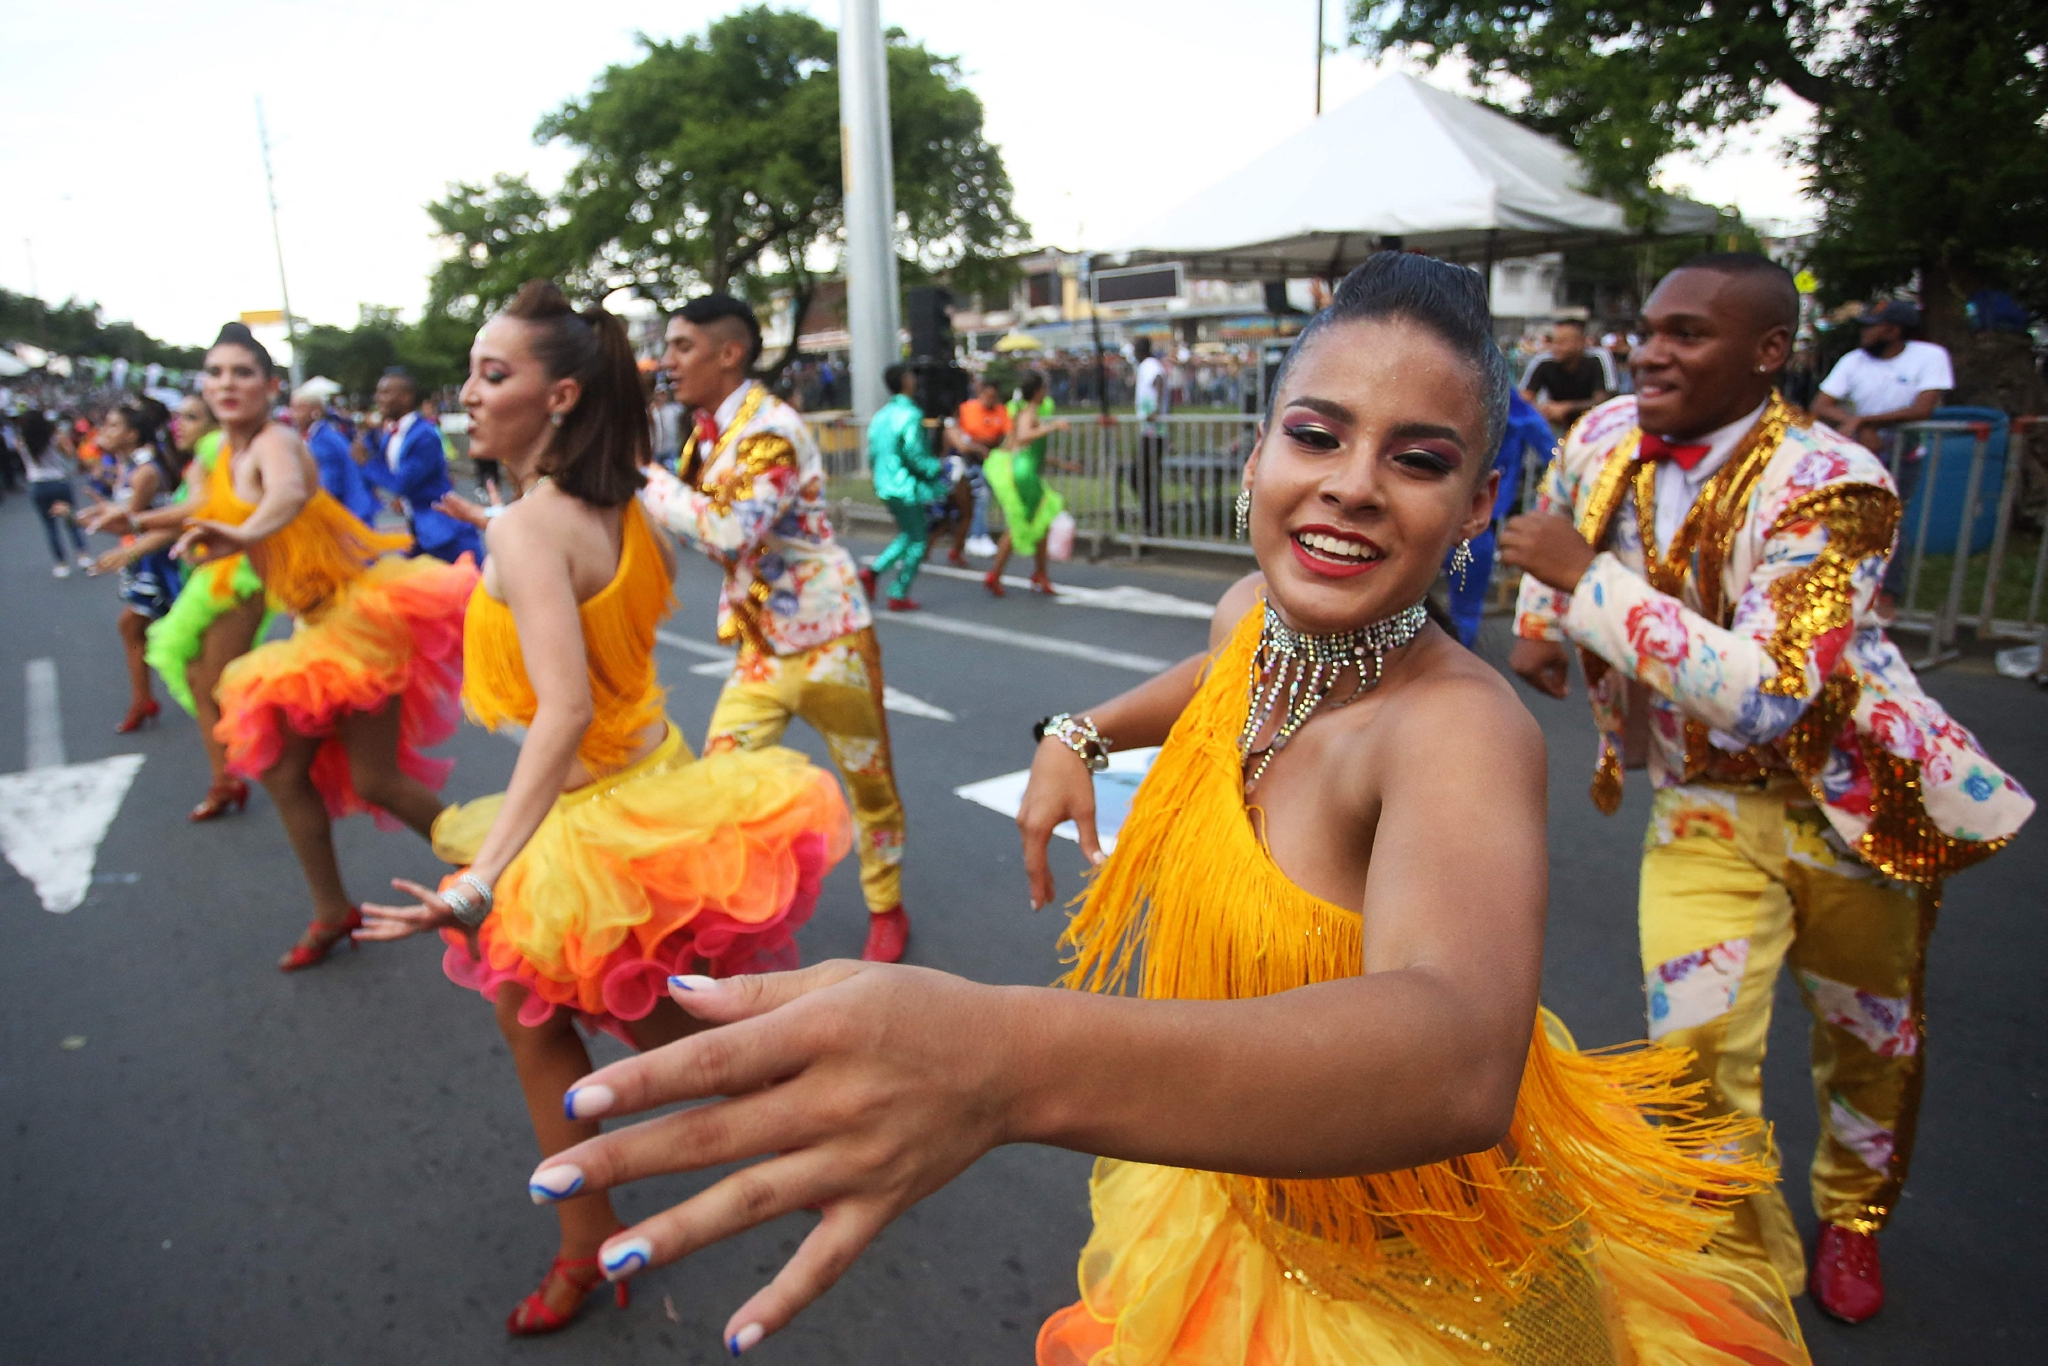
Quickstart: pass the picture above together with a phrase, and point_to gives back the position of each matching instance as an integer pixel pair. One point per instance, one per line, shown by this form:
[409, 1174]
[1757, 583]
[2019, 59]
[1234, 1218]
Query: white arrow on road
[54, 815]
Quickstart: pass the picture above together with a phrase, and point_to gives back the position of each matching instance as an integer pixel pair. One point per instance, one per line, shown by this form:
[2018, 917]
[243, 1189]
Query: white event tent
[1404, 164]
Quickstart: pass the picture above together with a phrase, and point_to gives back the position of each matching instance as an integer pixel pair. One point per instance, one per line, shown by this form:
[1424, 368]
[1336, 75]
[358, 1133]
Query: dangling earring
[1461, 561]
[1244, 512]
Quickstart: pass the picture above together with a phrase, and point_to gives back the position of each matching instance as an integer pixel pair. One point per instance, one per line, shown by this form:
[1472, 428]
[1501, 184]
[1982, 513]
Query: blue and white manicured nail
[588, 1102]
[623, 1258]
[745, 1338]
[558, 1182]
[692, 982]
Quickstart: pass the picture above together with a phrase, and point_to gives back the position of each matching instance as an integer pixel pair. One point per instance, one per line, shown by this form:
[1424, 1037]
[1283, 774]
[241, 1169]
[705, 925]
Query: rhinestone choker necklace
[1304, 669]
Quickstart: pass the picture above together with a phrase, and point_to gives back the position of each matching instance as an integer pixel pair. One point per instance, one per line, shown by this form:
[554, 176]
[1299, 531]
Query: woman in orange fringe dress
[1334, 1126]
[333, 719]
[615, 862]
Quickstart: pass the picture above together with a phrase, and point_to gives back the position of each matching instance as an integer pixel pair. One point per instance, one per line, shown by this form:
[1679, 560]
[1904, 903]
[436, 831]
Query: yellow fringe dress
[660, 866]
[1578, 1241]
[372, 625]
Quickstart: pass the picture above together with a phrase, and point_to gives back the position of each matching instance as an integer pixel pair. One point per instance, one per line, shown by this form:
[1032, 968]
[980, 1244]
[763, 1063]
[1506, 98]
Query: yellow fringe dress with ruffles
[661, 865]
[372, 626]
[1578, 1241]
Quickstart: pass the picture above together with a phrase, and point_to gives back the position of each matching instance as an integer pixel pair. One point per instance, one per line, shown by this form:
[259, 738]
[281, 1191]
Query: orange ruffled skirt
[1173, 1275]
[672, 865]
[395, 631]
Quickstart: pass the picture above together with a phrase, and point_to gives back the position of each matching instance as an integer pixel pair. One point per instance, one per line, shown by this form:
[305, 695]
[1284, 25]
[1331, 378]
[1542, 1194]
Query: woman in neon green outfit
[1012, 472]
[218, 616]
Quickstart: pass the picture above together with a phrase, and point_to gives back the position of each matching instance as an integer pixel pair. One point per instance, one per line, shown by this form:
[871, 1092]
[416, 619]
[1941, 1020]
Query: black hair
[151, 422]
[1445, 300]
[1579, 323]
[1780, 300]
[712, 308]
[597, 451]
[892, 377]
[36, 431]
[238, 334]
[1142, 348]
[1030, 385]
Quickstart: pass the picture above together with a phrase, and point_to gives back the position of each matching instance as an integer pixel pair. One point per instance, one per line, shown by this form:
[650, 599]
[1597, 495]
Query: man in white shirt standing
[1151, 403]
[1888, 380]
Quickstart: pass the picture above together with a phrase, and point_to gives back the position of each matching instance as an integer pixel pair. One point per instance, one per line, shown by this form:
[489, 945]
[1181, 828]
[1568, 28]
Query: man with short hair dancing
[1719, 569]
[749, 492]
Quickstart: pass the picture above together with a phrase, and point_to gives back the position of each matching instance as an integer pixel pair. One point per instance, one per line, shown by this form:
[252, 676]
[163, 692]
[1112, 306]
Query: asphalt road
[204, 1160]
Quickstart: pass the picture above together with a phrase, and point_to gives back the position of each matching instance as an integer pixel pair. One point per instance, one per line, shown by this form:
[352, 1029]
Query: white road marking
[54, 815]
[720, 664]
[1114, 790]
[45, 720]
[1024, 640]
[1123, 597]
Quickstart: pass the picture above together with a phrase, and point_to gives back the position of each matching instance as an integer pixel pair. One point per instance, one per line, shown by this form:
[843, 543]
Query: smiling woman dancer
[1337, 1128]
[331, 720]
[614, 859]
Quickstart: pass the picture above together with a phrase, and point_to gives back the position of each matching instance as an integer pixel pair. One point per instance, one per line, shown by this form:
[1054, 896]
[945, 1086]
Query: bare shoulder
[1237, 600]
[1457, 717]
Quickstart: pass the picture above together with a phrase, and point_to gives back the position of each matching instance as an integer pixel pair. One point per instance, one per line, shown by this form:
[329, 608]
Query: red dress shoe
[139, 715]
[1848, 1282]
[905, 605]
[867, 581]
[888, 934]
[955, 557]
[993, 581]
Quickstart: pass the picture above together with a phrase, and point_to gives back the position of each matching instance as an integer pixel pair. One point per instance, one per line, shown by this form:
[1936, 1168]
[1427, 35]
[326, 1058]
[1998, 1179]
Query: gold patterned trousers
[1736, 882]
[837, 688]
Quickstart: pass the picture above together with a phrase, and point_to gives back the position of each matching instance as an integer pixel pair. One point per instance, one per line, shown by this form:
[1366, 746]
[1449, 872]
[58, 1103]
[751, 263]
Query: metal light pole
[291, 322]
[870, 178]
[1319, 58]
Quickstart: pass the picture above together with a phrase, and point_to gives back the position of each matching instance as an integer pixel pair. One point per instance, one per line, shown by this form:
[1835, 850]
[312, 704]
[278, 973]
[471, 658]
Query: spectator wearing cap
[407, 461]
[1888, 380]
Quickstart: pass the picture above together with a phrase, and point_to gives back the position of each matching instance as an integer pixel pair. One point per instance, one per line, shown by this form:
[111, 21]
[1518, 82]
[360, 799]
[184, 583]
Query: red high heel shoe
[310, 955]
[532, 1317]
[993, 582]
[1041, 584]
[139, 715]
[225, 795]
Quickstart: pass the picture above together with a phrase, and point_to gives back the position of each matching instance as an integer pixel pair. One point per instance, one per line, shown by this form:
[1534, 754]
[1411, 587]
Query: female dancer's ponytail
[597, 451]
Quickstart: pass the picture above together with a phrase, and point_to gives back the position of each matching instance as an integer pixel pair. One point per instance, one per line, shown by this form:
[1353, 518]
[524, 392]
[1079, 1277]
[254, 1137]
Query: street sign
[1137, 284]
[263, 317]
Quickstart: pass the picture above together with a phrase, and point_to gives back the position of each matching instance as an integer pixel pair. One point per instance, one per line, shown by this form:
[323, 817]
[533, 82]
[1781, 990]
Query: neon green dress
[1028, 503]
[210, 591]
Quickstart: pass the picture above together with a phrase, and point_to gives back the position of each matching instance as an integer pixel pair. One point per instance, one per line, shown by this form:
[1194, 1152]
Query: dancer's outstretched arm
[862, 1088]
[289, 479]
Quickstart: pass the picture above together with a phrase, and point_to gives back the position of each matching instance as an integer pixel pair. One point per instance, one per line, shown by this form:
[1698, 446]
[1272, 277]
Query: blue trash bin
[1951, 483]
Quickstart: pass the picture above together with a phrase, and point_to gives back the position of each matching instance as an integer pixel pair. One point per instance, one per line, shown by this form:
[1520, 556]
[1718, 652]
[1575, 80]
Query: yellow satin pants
[1736, 883]
[837, 688]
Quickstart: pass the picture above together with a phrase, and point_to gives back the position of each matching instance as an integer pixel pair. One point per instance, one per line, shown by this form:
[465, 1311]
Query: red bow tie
[707, 431]
[1657, 448]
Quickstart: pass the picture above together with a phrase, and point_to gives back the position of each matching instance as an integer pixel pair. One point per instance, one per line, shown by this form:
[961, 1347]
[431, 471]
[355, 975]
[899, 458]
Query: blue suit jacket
[339, 473]
[421, 478]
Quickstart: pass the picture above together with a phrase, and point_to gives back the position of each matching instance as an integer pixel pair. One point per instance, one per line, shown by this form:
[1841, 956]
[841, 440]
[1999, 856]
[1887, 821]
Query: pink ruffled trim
[634, 980]
[259, 708]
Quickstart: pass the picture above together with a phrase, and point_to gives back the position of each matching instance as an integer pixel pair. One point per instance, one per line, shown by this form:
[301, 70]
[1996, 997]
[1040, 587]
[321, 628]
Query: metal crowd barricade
[1939, 620]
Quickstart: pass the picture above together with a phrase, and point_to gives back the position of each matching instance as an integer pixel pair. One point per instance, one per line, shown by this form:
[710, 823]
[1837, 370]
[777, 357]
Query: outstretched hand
[428, 912]
[462, 510]
[1060, 789]
[204, 540]
[863, 1087]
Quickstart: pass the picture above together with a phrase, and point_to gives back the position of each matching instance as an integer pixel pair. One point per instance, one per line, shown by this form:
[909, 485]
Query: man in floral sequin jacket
[749, 492]
[1717, 574]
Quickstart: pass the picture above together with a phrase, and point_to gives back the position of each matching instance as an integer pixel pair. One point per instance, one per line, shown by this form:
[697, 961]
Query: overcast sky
[133, 176]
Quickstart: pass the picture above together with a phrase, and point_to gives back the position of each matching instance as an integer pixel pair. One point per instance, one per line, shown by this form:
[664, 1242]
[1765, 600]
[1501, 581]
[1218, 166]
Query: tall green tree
[1930, 144]
[77, 328]
[712, 162]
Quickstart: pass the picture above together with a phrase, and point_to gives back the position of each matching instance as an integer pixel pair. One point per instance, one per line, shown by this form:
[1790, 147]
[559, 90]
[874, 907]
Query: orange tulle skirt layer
[1173, 1275]
[393, 631]
[673, 865]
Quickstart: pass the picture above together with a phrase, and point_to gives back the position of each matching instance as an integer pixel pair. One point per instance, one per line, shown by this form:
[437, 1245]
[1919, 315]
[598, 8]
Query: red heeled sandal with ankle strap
[139, 715]
[324, 939]
[229, 794]
[533, 1317]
